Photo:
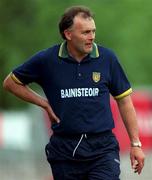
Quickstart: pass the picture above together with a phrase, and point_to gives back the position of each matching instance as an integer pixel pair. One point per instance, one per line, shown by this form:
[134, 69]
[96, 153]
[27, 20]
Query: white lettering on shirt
[79, 92]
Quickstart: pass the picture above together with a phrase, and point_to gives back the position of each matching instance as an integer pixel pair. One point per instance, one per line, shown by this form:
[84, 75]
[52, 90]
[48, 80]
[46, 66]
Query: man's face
[82, 35]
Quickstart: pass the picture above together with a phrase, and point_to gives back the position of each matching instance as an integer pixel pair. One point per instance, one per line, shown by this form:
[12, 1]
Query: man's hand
[137, 158]
[53, 118]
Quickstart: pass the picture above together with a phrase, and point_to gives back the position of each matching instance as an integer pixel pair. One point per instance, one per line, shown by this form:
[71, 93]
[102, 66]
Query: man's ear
[67, 34]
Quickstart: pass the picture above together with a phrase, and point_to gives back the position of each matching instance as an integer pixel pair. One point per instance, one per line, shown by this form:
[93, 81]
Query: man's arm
[27, 94]
[128, 115]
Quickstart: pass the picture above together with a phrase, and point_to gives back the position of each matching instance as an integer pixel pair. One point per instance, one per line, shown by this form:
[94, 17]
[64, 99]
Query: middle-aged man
[77, 77]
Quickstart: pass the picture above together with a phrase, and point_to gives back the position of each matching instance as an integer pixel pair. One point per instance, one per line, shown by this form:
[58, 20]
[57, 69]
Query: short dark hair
[66, 20]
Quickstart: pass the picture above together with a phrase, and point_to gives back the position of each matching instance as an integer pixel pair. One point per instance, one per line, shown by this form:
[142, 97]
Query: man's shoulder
[105, 50]
[50, 50]
[107, 54]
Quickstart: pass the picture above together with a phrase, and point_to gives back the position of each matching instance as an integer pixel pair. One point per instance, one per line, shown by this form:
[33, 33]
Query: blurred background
[28, 26]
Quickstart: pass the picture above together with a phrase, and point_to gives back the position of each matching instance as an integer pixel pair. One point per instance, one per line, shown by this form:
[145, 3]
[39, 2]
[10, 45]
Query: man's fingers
[57, 119]
[51, 114]
[138, 165]
[133, 162]
[54, 118]
[137, 169]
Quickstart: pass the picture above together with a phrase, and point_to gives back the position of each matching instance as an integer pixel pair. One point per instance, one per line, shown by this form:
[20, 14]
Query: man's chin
[89, 50]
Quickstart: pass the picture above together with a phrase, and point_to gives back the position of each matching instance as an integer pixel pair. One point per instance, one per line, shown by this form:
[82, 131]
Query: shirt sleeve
[119, 84]
[30, 71]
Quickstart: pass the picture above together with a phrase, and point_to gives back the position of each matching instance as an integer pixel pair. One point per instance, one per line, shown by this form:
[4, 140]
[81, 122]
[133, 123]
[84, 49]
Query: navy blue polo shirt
[79, 93]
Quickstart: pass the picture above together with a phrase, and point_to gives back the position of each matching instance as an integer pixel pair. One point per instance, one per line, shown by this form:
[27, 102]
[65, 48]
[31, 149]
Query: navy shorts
[85, 157]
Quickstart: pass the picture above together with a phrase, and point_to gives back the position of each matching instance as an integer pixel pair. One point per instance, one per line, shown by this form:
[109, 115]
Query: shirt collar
[63, 52]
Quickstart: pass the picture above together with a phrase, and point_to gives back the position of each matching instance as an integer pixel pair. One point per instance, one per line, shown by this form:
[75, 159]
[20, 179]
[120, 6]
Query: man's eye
[86, 32]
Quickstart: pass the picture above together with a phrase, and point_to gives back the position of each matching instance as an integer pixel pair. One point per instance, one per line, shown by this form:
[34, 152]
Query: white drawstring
[79, 143]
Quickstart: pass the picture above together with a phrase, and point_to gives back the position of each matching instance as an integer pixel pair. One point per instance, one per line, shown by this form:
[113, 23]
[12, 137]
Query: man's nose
[92, 35]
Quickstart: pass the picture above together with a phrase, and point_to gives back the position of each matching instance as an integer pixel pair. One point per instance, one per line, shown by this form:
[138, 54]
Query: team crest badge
[96, 76]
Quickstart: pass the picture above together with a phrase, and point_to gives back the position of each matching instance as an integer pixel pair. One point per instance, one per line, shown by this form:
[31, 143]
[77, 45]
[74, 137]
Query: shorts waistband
[88, 135]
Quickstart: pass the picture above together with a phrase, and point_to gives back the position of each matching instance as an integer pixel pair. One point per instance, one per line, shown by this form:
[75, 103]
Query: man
[78, 77]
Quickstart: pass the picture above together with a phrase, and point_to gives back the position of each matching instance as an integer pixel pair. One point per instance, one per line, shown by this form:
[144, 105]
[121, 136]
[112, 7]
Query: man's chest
[77, 75]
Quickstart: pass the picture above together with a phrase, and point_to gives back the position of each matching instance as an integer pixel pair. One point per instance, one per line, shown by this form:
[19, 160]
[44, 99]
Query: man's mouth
[89, 45]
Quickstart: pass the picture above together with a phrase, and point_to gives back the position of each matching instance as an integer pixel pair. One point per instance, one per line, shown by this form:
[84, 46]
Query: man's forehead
[79, 17]
[79, 20]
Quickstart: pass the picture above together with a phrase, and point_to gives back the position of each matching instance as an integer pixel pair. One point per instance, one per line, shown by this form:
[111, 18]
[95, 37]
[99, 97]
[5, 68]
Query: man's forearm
[24, 92]
[128, 115]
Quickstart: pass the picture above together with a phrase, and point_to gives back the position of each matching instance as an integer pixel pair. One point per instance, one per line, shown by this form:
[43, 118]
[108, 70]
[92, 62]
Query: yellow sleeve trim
[15, 79]
[126, 93]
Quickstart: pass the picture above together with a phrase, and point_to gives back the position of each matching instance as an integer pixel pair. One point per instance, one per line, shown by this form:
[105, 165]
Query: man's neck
[77, 56]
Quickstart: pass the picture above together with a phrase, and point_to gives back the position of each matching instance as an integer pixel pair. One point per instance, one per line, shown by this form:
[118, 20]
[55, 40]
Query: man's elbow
[7, 83]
